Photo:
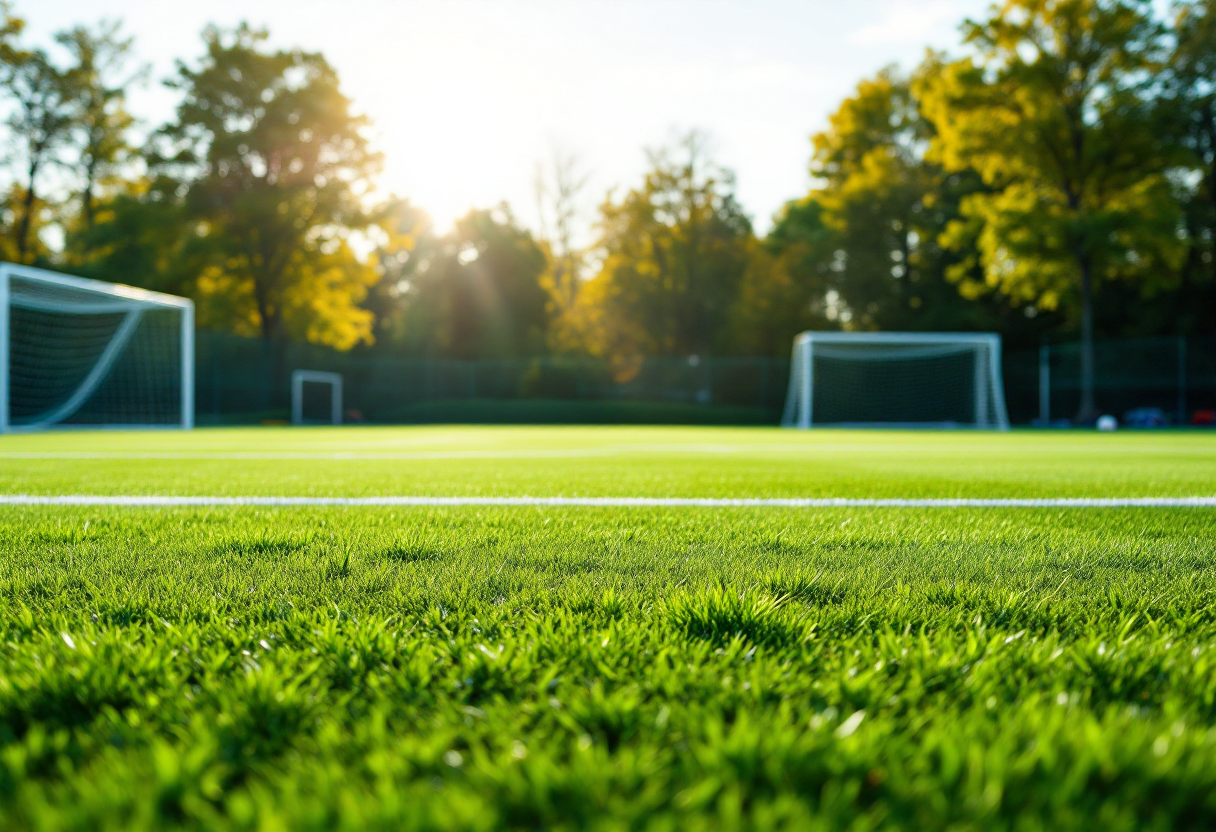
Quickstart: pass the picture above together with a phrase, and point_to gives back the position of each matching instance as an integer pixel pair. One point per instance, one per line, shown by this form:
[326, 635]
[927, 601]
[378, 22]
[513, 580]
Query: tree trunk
[905, 278]
[269, 377]
[27, 209]
[87, 203]
[274, 362]
[268, 323]
[92, 172]
[1088, 411]
[1209, 123]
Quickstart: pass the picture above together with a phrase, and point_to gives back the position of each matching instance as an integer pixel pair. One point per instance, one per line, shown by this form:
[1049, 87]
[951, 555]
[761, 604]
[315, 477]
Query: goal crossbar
[131, 295]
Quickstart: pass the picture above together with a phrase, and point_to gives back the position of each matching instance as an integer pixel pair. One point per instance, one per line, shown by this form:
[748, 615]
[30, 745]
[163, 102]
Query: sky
[467, 96]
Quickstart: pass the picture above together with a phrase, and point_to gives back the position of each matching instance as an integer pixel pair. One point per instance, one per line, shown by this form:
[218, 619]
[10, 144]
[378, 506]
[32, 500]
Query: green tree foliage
[1187, 112]
[674, 254]
[473, 293]
[10, 29]
[875, 196]
[887, 205]
[275, 167]
[405, 241]
[102, 122]
[1061, 177]
[1051, 114]
[40, 125]
[140, 237]
[862, 250]
[72, 120]
[787, 287]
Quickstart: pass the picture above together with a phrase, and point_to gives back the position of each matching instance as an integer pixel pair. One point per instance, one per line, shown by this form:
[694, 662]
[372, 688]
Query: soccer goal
[299, 410]
[916, 379]
[84, 353]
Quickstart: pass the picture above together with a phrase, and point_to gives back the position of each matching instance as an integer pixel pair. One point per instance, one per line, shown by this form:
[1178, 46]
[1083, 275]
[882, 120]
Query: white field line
[613, 502]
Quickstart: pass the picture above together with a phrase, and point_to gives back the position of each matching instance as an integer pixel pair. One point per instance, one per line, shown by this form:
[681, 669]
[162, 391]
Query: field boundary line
[611, 502]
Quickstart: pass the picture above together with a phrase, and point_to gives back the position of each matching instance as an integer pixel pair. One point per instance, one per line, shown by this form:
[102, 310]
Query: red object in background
[1204, 417]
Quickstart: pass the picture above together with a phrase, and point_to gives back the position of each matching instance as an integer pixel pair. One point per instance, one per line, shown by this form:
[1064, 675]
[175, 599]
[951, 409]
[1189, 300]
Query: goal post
[301, 377]
[915, 379]
[81, 353]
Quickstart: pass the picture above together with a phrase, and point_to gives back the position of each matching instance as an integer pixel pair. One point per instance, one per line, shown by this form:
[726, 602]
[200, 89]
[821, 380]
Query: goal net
[77, 352]
[896, 378]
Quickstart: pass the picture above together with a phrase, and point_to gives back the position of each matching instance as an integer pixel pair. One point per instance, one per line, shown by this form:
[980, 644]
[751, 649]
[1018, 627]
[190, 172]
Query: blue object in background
[1145, 417]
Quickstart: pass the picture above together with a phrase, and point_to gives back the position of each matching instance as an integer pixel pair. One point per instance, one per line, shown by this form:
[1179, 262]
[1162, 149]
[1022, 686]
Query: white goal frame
[298, 379]
[799, 402]
[112, 297]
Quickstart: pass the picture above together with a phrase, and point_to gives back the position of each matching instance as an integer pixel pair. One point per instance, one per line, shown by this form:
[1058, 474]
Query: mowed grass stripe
[611, 502]
[670, 463]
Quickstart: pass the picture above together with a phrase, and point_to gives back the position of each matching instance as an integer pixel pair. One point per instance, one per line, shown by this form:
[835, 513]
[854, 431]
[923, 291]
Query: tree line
[1055, 178]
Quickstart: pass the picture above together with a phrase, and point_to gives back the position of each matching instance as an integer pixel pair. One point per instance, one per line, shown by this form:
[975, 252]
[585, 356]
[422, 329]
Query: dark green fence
[239, 380]
[1175, 374]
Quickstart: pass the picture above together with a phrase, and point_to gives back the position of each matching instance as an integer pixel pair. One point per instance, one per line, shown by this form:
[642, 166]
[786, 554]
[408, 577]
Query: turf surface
[541, 668]
[607, 461]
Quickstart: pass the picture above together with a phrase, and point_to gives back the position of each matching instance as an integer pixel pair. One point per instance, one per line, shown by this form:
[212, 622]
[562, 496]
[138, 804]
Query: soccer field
[562, 666]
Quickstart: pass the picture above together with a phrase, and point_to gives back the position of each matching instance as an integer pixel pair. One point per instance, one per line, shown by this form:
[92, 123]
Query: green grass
[613, 461]
[595, 668]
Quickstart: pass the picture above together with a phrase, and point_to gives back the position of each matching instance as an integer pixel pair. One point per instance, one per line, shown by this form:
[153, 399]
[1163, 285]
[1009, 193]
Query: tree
[875, 191]
[1051, 113]
[10, 28]
[476, 293]
[141, 237]
[674, 254]
[887, 205]
[406, 244]
[40, 126]
[559, 186]
[102, 122]
[1188, 112]
[276, 168]
[861, 250]
[788, 286]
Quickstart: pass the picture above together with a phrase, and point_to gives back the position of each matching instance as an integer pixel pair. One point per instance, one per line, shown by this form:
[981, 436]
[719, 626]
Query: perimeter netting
[83, 356]
[860, 379]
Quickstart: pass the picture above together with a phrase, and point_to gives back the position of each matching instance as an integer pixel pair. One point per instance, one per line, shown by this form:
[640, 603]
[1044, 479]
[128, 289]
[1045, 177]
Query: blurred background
[624, 211]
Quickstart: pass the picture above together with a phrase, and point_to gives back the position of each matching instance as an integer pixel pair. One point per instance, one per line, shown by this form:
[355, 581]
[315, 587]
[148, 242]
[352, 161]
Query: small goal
[892, 379]
[85, 353]
[301, 414]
